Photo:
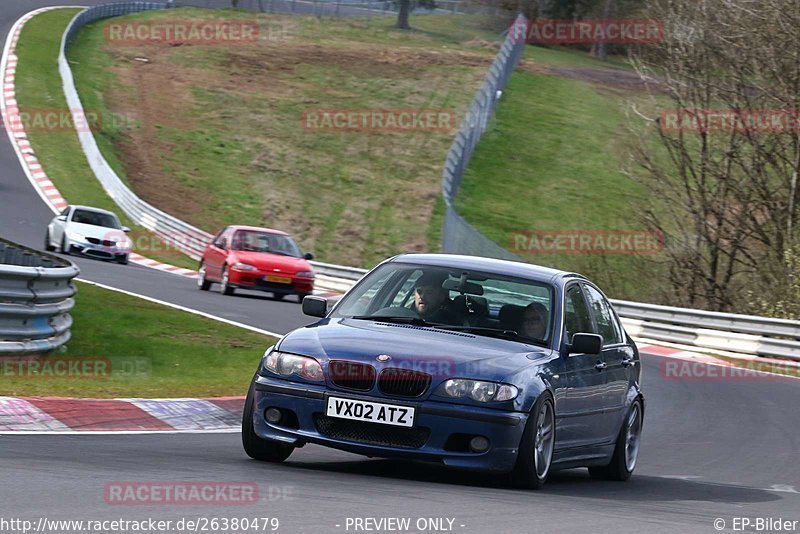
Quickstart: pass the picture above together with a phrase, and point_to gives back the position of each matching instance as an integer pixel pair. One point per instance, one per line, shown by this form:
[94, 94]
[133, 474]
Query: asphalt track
[711, 449]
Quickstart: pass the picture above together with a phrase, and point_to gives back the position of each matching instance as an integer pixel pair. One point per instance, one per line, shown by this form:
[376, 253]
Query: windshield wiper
[416, 321]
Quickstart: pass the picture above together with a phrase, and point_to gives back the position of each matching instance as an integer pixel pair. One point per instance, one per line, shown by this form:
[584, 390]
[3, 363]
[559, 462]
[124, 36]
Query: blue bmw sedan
[472, 362]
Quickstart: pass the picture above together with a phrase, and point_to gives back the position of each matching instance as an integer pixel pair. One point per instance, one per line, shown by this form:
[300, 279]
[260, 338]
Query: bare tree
[727, 197]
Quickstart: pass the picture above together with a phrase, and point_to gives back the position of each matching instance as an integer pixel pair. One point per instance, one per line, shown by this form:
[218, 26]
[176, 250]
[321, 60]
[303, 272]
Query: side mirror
[315, 306]
[125, 229]
[222, 244]
[308, 256]
[586, 344]
[62, 218]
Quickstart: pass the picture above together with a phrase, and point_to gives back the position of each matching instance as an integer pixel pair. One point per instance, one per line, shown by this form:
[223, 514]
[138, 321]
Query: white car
[89, 231]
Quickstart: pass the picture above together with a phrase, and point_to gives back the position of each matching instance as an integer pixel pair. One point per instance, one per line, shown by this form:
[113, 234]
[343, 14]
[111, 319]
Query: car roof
[96, 210]
[490, 265]
[256, 228]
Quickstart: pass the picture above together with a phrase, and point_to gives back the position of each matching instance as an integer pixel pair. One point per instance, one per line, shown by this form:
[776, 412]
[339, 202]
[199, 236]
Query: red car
[256, 258]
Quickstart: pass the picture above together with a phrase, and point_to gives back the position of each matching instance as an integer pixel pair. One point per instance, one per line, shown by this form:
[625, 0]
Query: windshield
[95, 218]
[255, 241]
[478, 302]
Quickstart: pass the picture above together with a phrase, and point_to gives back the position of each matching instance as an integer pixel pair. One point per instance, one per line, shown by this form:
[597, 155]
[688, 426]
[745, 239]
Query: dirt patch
[155, 95]
[156, 89]
[257, 63]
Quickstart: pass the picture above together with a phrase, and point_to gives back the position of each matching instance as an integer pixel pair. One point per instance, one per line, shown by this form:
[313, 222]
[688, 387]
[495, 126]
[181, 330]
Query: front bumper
[98, 251]
[255, 280]
[437, 421]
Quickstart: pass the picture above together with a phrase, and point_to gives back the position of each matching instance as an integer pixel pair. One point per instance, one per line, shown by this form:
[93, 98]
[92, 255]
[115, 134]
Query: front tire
[47, 246]
[538, 441]
[225, 284]
[64, 246]
[626, 451]
[123, 260]
[257, 448]
[202, 283]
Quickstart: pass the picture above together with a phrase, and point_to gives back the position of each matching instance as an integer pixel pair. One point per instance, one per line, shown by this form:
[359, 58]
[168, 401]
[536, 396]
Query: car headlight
[305, 274]
[75, 235]
[291, 364]
[477, 390]
[123, 245]
[239, 266]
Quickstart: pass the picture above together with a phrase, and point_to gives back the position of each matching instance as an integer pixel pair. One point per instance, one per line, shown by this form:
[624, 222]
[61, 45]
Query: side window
[606, 321]
[65, 212]
[218, 239]
[576, 314]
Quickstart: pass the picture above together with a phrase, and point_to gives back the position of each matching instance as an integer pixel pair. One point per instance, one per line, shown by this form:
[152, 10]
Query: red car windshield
[255, 241]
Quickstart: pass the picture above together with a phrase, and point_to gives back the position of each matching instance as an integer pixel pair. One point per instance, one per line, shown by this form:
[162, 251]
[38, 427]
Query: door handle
[627, 362]
[600, 366]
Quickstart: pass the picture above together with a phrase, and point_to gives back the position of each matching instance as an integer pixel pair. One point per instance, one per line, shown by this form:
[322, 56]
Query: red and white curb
[67, 415]
[22, 146]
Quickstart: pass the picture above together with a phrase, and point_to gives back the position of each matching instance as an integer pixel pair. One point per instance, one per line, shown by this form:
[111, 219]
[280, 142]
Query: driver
[432, 301]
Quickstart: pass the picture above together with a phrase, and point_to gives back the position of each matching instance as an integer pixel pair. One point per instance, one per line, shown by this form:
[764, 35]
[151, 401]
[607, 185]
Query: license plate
[278, 279]
[373, 412]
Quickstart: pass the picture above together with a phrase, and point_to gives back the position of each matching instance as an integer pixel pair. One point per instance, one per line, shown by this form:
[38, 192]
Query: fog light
[273, 415]
[479, 444]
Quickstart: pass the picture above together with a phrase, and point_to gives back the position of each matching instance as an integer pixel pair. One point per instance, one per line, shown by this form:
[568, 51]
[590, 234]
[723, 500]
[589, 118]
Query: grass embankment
[137, 348]
[39, 94]
[221, 140]
[553, 159]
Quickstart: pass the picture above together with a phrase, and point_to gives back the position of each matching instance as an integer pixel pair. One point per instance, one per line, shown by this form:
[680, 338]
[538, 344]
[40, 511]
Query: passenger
[534, 321]
[432, 301]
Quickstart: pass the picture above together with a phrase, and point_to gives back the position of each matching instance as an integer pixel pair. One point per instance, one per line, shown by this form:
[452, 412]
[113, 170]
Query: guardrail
[36, 296]
[185, 237]
[174, 231]
[746, 334]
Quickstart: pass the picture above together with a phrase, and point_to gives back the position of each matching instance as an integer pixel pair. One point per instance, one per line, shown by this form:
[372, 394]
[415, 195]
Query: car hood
[443, 354]
[272, 262]
[99, 232]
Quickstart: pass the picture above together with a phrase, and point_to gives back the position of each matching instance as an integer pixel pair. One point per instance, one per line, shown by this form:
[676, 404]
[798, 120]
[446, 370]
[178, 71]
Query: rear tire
[47, 246]
[257, 448]
[202, 283]
[535, 456]
[626, 451]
